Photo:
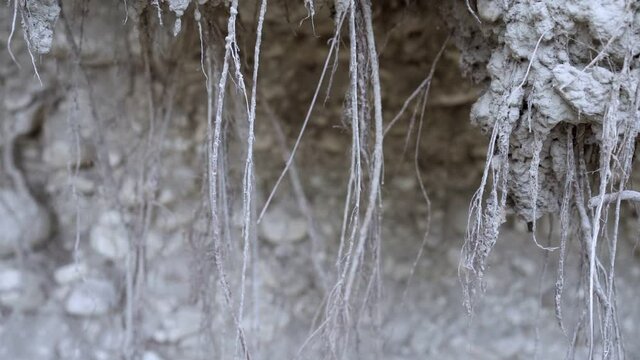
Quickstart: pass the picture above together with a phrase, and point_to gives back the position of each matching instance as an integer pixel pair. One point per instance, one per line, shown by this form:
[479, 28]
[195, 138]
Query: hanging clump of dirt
[561, 107]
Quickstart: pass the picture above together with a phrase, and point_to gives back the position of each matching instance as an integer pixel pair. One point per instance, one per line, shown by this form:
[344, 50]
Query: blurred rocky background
[83, 183]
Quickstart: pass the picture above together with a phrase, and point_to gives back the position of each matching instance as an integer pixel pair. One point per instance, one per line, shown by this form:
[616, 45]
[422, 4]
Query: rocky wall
[104, 181]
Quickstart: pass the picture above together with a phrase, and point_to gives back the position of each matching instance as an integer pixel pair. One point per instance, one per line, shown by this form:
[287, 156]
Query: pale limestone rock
[109, 236]
[177, 326]
[23, 221]
[279, 227]
[21, 290]
[62, 153]
[92, 297]
[72, 272]
[150, 355]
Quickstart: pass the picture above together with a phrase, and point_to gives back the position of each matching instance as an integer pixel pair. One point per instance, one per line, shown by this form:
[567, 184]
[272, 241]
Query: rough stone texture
[109, 236]
[70, 273]
[21, 290]
[91, 297]
[279, 227]
[24, 222]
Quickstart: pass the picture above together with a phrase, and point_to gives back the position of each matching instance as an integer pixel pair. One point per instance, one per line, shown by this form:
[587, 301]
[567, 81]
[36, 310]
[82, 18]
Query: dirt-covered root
[562, 77]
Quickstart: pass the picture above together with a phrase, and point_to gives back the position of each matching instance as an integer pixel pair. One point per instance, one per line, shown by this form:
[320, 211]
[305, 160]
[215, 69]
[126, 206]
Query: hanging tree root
[625, 195]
